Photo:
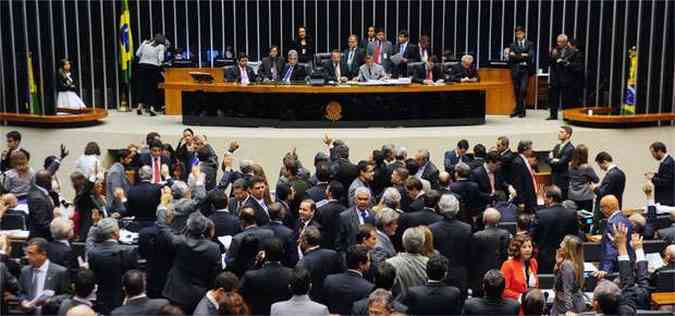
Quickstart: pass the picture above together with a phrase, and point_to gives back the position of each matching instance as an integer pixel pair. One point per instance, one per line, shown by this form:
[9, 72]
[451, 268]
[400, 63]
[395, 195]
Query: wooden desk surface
[663, 298]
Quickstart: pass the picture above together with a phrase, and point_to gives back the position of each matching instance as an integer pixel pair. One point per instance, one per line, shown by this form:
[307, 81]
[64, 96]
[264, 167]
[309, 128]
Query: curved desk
[603, 117]
[74, 118]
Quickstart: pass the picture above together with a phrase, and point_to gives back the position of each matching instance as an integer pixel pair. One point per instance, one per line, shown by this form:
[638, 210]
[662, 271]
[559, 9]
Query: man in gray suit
[224, 282]
[352, 218]
[136, 302]
[381, 49]
[40, 275]
[300, 303]
[370, 70]
[117, 176]
[387, 224]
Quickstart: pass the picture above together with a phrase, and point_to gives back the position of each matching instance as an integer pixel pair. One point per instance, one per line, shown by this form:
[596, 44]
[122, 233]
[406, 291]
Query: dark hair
[274, 249]
[554, 193]
[203, 154]
[385, 276]
[402, 173]
[479, 151]
[437, 267]
[255, 180]
[240, 183]
[363, 166]
[463, 144]
[658, 146]
[335, 51]
[519, 29]
[492, 157]
[523, 221]
[311, 235]
[433, 59]
[15, 135]
[379, 30]
[568, 129]
[49, 160]
[155, 144]
[180, 167]
[247, 216]
[85, 282]
[63, 62]
[218, 199]
[411, 165]
[323, 171]
[365, 231]
[524, 145]
[493, 283]
[150, 137]
[301, 280]
[403, 33]
[579, 156]
[133, 282]
[412, 183]
[171, 310]
[189, 130]
[516, 243]
[431, 198]
[282, 191]
[92, 149]
[229, 303]
[242, 55]
[533, 302]
[336, 189]
[226, 281]
[356, 255]
[603, 157]
[607, 303]
[276, 211]
[273, 47]
[40, 242]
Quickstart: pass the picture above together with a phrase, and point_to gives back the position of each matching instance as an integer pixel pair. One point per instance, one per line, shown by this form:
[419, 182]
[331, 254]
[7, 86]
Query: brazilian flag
[126, 42]
[33, 98]
[630, 95]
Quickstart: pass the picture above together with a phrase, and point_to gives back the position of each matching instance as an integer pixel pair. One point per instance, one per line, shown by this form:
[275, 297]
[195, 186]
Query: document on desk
[396, 58]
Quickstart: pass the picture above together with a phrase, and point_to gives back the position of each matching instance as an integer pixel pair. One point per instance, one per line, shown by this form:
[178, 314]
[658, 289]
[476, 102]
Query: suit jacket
[317, 192]
[297, 74]
[386, 50]
[330, 72]
[560, 169]
[613, 183]
[265, 286]
[411, 53]
[420, 73]
[434, 298]
[145, 159]
[40, 213]
[450, 159]
[452, 239]
[564, 73]
[288, 239]
[348, 228]
[225, 223]
[265, 70]
[344, 171]
[158, 252]
[490, 306]
[506, 165]
[320, 263]
[520, 63]
[305, 53]
[261, 216]
[299, 305]
[667, 234]
[109, 261]
[551, 225]
[430, 174]
[458, 72]
[233, 205]
[261, 234]
[343, 289]
[384, 249]
[8, 283]
[522, 182]
[57, 279]
[373, 72]
[489, 249]
[481, 177]
[62, 254]
[196, 264]
[65, 83]
[664, 182]
[142, 201]
[426, 216]
[328, 215]
[515, 278]
[473, 201]
[140, 306]
[233, 74]
[205, 308]
[608, 252]
[358, 60]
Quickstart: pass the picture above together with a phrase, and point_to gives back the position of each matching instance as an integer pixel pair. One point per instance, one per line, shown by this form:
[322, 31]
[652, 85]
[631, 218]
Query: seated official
[292, 71]
[242, 72]
[335, 69]
[371, 71]
[270, 67]
[465, 71]
[429, 72]
[353, 56]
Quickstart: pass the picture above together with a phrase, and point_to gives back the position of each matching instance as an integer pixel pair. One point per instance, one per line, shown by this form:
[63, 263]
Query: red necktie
[430, 75]
[156, 175]
[492, 182]
[377, 53]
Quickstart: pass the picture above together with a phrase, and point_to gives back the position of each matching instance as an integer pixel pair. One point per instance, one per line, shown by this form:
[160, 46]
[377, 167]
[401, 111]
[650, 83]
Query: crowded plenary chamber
[337, 157]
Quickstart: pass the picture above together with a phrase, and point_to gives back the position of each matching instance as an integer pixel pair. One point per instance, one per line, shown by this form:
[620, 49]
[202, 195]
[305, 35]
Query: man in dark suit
[13, 143]
[353, 57]
[352, 218]
[426, 216]
[452, 239]
[664, 179]
[613, 183]
[487, 175]
[472, 200]
[427, 170]
[284, 234]
[369, 38]
[318, 191]
[40, 206]
[342, 169]
[270, 67]
[523, 178]
[189, 279]
[59, 249]
[408, 53]
[109, 260]
[455, 156]
[225, 282]
[143, 198]
[506, 157]
[136, 303]
[263, 287]
[489, 249]
[609, 206]
[84, 284]
[242, 72]
[563, 74]
[319, 261]
[428, 72]
[292, 71]
[240, 196]
[551, 225]
[491, 303]
[155, 160]
[560, 160]
[521, 57]
[257, 200]
[335, 69]
[434, 298]
[40, 274]
[328, 214]
[249, 228]
[157, 251]
[342, 290]
[415, 193]
[226, 224]
[465, 71]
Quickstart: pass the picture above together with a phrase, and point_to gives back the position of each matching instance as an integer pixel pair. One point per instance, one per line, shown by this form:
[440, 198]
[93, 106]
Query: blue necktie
[364, 215]
[402, 49]
[287, 76]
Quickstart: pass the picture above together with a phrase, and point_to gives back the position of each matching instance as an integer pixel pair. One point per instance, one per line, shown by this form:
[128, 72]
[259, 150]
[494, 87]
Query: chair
[641, 312]
[665, 281]
[320, 58]
[591, 282]
[592, 251]
[14, 220]
[546, 281]
[654, 246]
[412, 67]
[508, 226]
[227, 69]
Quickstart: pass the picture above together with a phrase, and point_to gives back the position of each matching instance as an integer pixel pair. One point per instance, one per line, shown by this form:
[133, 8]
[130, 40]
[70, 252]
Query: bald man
[668, 260]
[81, 310]
[609, 206]
[491, 240]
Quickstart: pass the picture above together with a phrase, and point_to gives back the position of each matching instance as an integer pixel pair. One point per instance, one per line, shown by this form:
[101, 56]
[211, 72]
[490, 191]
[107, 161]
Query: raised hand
[64, 152]
[233, 146]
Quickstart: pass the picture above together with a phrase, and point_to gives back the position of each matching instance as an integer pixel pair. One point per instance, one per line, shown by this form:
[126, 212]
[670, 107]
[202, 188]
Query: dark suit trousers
[555, 100]
[520, 78]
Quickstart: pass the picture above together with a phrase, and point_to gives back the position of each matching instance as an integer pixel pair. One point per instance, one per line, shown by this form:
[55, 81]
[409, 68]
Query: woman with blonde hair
[429, 250]
[582, 176]
[569, 277]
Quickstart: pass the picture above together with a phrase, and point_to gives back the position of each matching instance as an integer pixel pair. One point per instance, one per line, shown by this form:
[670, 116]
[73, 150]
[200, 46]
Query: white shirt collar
[356, 271]
[611, 166]
[663, 158]
[44, 266]
[142, 295]
[223, 210]
[212, 300]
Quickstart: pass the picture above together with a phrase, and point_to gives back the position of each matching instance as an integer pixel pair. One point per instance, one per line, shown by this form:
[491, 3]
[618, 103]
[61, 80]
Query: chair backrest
[641, 312]
[12, 221]
[546, 281]
[665, 281]
[654, 246]
[308, 67]
[508, 226]
[319, 58]
[592, 251]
